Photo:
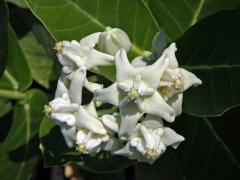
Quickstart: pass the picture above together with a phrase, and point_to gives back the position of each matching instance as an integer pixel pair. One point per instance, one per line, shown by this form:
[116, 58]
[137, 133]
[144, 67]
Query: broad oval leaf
[177, 16]
[19, 145]
[42, 62]
[202, 156]
[17, 75]
[210, 50]
[60, 154]
[3, 35]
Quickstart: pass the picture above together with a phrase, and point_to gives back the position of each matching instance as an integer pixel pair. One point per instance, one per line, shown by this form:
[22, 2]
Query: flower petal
[91, 109]
[109, 95]
[69, 134]
[97, 58]
[61, 88]
[90, 40]
[155, 105]
[152, 121]
[125, 151]
[92, 86]
[75, 89]
[125, 71]
[111, 145]
[69, 119]
[190, 79]
[151, 74]
[130, 115]
[176, 103]
[170, 52]
[85, 120]
[110, 122]
[171, 138]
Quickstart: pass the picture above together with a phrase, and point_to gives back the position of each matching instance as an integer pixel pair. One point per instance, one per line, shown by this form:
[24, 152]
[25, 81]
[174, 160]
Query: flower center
[82, 149]
[133, 93]
[59, 46]
[151, 153]
[178, 83]
[48, 110]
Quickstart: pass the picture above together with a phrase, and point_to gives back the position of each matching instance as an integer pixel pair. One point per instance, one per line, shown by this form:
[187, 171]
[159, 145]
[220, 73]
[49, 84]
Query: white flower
[94, 133]
[135, 93]
[150, 141]
[113, 39]
[175, 80]
[73, 55]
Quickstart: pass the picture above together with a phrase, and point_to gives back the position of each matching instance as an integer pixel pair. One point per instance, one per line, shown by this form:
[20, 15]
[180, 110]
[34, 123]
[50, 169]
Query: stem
[8, 94]
[11, 79]
[139, 51]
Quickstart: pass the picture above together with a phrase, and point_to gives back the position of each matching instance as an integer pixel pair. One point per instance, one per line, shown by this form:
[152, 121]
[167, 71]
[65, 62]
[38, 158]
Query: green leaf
[17, 75]
[210, 50]
[202, 156]
[20, 3]
[3, 36]
[42, 62]
[6, 106]
[60, 154]
[177, 16]
[19, 149]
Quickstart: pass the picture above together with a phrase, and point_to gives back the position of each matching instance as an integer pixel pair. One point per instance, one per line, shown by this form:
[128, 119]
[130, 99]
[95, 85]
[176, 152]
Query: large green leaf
[202, 156]
[20, 3]
[17, 75]
[3, 35]
[60, 154]
[19, 145]
[210, 50]
[42, 62]
[177, 16]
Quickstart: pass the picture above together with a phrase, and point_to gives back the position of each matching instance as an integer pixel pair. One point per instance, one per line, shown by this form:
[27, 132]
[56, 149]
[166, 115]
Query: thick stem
[139, 51]
[8, 94]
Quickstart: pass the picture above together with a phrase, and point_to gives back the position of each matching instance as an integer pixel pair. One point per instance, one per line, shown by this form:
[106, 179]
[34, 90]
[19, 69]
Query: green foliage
[6, 106]
[20, 3]
[17, 75]
[19, 144]
[3, 35]
[42, 62]
[211, 51]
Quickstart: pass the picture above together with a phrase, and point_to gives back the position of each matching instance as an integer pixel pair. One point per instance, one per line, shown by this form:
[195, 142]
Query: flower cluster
[145, 94]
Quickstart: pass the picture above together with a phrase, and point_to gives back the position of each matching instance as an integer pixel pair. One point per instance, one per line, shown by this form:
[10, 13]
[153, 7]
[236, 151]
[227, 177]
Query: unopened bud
[113, 39]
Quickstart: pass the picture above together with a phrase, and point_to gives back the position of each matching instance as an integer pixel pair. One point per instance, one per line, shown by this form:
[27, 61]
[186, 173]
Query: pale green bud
[113, 39]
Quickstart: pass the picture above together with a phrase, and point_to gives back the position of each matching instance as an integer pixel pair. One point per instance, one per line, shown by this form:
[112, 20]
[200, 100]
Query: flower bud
[113, 39]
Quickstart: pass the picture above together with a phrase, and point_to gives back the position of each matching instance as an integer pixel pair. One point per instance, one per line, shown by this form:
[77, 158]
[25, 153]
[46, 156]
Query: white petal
[124, 86]
[155, 105]
[130, 115]
[81, 136]
[125, 71]
[176, 103]
[139, 62]
[61, 88]
[75, 89]
[111, 145]
[171, 138]
[85, 120]
[91, 109]
[189, 79]
[170, 52]
[69, 134]
[110, 122]
[93, 143]
[69, 119]
[152, 121]
[109, 95]
[97, 58]
[92, 86]
[148, 137]
[125, 151]
[151, 74]
[90, 40]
